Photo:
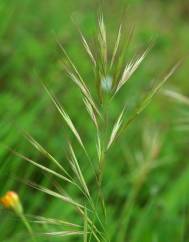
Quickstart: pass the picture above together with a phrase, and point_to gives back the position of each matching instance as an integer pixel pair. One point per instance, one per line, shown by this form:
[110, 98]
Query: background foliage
[29, 53]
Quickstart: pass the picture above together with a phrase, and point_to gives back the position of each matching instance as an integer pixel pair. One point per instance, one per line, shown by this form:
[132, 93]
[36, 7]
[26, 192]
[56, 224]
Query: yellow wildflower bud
[11, 200]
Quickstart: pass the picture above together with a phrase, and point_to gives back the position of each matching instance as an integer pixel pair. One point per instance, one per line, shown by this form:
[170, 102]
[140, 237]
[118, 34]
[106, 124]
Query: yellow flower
[11, 200]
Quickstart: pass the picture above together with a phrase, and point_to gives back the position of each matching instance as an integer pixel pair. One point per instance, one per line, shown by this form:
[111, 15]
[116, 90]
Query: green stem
[27, 225]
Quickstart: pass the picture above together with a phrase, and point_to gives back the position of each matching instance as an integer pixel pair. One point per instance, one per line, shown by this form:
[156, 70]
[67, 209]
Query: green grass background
[29, 54]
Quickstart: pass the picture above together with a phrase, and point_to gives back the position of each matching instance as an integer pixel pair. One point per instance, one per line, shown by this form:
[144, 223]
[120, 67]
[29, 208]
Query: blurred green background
[29, 54]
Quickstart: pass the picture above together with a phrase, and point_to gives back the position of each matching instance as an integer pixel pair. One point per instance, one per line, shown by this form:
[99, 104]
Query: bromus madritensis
[112, 71]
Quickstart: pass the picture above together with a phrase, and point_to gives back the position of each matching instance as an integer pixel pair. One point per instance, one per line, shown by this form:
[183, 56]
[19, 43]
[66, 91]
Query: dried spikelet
[88, 50]
[177, 96]
[82, 86]
[63, 233]
[116, 128]
[43, 151]
[99, 147]
[116, 46]
[130, 69]
[90, 111]
[53, 221]
[62, 197]
[44, 168]
[77, 170]
[149, 97]
[102, 43]
[66, 117]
